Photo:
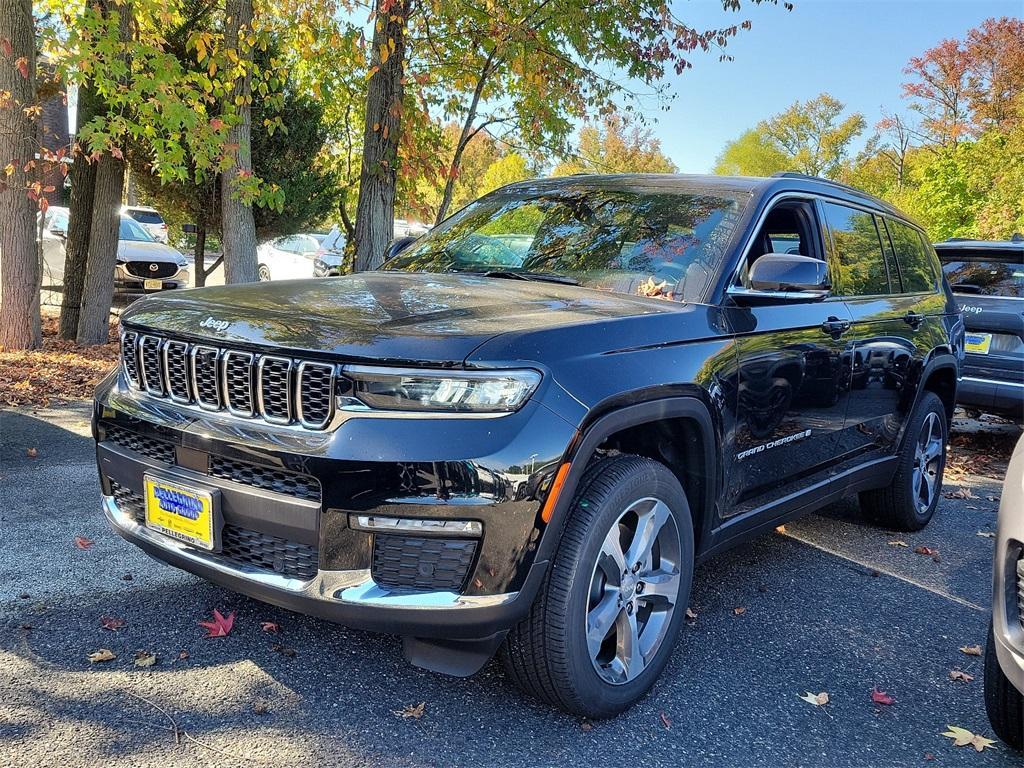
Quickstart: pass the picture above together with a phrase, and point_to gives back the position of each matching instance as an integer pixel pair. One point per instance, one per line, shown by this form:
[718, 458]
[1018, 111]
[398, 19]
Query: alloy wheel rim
[927, 463]
[264, 274]
[633, 591]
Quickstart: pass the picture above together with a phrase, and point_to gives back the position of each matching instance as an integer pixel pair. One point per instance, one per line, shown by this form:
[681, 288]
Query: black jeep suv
[524, 430]
[987, 278]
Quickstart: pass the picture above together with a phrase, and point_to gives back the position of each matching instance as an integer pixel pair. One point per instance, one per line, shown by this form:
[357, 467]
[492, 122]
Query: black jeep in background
[523, 432]
[987, 278]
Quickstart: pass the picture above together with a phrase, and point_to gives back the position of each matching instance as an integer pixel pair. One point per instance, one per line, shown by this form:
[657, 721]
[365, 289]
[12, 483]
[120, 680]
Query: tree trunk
[238, 227]
[76, 244]
[375, 212]
[19, 267]
[98, 288]
[199, 262]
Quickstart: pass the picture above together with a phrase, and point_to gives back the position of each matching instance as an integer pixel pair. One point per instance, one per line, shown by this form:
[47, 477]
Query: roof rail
[822, 179]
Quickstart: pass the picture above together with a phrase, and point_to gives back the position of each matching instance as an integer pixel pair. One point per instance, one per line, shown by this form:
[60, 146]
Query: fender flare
[579, 453]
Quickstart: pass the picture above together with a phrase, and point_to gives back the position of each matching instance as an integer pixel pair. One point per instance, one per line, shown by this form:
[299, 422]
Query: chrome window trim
[299, 371]
[167, 370]
[142, 369]
[196, 350]
[226, 356]
[999, 382]
[289, 400]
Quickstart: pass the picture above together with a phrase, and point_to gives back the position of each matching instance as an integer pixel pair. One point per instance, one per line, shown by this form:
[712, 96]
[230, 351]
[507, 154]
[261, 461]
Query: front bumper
[496, 475]
[1008, 577]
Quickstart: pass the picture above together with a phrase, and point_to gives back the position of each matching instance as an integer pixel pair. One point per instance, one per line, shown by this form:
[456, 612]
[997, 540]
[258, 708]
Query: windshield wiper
[544, 277]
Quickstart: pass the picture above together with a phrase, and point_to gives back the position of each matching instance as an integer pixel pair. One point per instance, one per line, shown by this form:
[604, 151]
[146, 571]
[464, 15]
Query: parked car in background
[289, 257]
[987, 278]
[143, 265]
[1004, 655]
[150, 219]
[329, 260]
[524, 431]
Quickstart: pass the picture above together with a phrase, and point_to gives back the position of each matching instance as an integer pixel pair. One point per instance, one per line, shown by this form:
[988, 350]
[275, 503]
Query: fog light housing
[416, 525]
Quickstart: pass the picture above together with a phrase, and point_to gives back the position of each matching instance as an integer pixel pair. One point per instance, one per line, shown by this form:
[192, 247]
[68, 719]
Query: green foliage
[616, 147]
[752, 154]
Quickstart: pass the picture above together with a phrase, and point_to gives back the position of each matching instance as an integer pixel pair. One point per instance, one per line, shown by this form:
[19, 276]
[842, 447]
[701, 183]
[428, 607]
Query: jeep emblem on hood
[217, 325]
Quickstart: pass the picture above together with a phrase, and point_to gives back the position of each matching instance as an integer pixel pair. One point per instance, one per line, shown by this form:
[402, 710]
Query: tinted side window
[915, 260]
[858, 252]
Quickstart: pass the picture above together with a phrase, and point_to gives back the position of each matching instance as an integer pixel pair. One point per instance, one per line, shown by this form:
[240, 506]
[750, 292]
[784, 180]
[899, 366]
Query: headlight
[393, 389]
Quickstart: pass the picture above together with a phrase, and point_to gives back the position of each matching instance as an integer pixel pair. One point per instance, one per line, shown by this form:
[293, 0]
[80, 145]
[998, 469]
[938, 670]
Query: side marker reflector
[553, 494]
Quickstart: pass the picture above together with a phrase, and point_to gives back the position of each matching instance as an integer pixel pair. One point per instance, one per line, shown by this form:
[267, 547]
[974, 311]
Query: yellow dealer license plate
[153, 285]
[978, 343]
[183, 513]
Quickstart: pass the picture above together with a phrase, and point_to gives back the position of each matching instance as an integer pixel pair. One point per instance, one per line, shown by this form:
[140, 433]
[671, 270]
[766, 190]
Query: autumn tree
[752, 154]
[525, 70]
[936, 91]
[19, 267]
[615, 146]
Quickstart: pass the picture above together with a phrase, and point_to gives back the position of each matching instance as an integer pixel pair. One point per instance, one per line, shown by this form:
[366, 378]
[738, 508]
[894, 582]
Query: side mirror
[189, 229]
[784, 277]
[398, 245]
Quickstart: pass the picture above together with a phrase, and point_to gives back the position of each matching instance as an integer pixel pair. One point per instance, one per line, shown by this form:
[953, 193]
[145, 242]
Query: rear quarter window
[917, 264]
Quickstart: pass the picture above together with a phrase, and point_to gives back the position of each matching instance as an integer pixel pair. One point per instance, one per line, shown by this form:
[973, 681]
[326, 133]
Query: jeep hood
[381, 316]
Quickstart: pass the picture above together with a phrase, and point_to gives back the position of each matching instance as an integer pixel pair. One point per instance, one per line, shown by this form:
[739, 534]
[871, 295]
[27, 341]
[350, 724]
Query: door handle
[913, 319]
[835, 327]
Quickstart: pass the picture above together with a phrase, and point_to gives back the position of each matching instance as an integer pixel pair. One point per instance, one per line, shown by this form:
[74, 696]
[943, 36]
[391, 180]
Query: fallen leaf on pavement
[83, 543]
[960, 493]
[962, 677]
[283, 649]
[986, 534]
[780, 529]
[898, 543]
[415, 711]
[665, 721]
[32, 453]
[881, 697]
[739, 611]
[260, 707]
[962, 737]
[183, 654]
[271, 627]
[220, 626]
[691, 614]
[971, 650]
[586, 727]
[103, 654]
[817, 699]
[919, 550]
[112, 623]
[144, 659]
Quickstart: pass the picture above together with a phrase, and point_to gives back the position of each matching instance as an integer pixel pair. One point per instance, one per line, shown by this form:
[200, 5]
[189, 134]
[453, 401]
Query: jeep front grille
[276, 389]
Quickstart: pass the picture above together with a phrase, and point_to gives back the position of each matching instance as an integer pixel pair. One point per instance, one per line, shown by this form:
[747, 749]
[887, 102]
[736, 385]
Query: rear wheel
[603, 627]
[909, 501]
[1003, 702]
[264, 273]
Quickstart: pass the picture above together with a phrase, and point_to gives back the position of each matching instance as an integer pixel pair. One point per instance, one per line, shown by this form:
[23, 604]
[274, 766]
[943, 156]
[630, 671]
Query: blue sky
[854, 49]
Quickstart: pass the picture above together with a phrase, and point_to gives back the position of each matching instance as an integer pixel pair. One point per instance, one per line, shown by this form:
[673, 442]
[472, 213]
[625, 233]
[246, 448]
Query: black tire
[1003, 702]
[896, 506]
[547, 654]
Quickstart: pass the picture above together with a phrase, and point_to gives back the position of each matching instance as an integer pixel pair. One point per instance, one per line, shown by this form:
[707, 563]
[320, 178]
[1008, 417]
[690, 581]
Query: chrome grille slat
[236, 372]
[280, 390]
[152, 365]
[1020, 591]
[315, 382]
[176, 378]
[130, 357]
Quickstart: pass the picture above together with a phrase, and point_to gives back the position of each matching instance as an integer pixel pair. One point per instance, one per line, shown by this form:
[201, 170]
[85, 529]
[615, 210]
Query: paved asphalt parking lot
[829, 605]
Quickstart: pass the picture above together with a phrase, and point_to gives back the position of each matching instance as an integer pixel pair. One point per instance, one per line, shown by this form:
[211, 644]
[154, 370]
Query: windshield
[146, 217]
[649, 243]
[132, 230]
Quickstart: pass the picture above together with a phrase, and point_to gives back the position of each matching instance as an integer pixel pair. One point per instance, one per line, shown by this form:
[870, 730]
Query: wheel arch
[681, 424]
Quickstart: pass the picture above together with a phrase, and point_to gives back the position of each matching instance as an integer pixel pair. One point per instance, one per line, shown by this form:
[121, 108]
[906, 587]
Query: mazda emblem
[154, 267]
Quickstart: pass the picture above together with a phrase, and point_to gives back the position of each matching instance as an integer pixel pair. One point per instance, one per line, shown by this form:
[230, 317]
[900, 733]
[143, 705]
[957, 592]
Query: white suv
[150, 219]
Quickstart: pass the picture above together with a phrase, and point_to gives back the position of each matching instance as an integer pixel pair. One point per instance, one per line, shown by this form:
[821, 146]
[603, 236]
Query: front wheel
[1003, 703]
[264, 273]
[909, 502]
[606, 619]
